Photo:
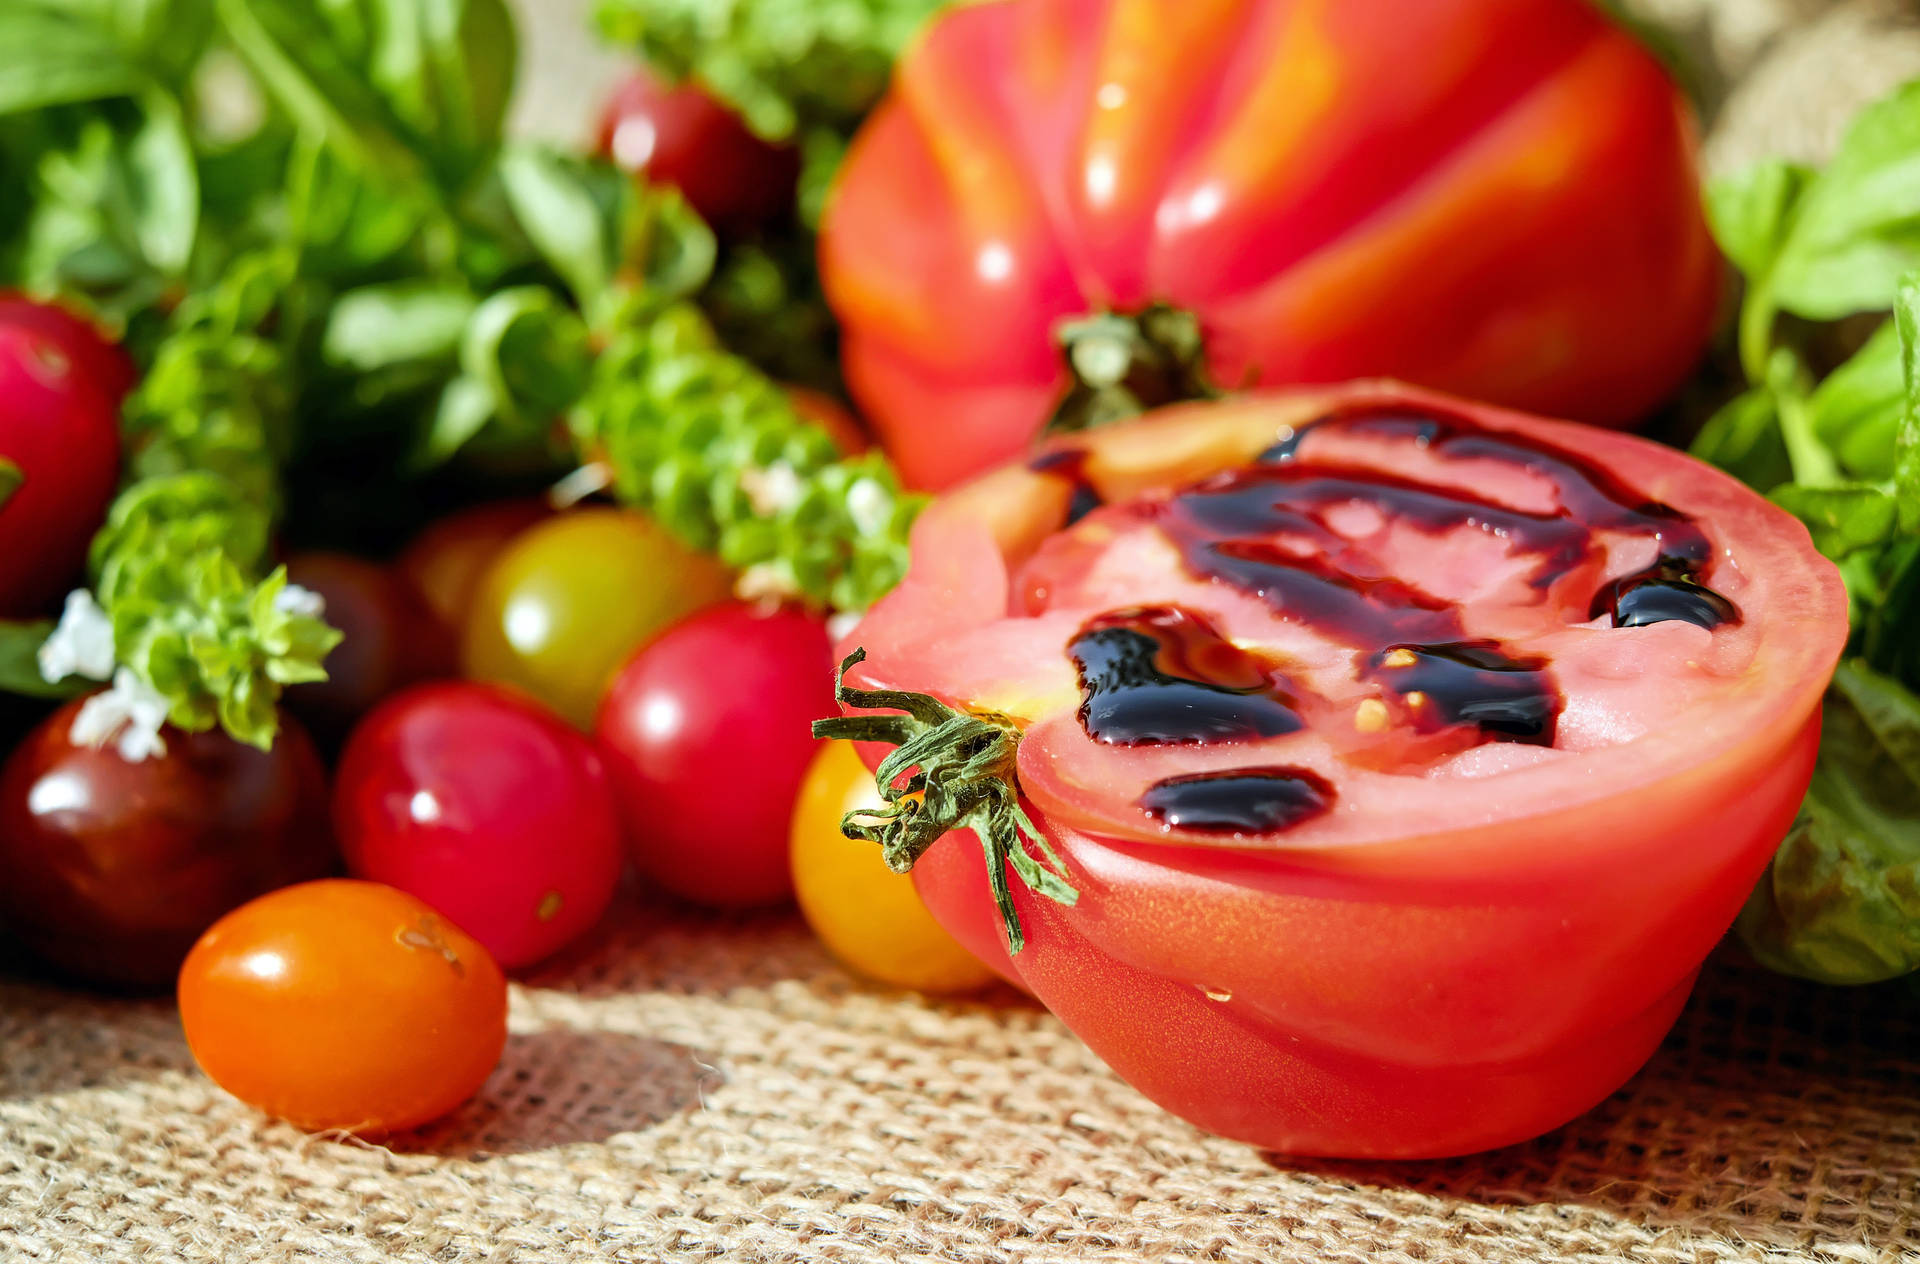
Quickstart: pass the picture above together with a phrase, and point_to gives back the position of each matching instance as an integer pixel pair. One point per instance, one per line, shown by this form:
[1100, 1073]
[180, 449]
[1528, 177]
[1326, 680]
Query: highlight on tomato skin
[110, 868]
[487, 806]
[1467, 818]
[344, 1005]
[1496, 198]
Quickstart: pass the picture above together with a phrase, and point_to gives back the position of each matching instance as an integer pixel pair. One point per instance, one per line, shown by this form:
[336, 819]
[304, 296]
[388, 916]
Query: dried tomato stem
[950, 770]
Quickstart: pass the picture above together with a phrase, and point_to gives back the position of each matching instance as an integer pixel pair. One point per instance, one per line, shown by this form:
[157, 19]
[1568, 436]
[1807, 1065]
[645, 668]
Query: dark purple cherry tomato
[110, 869]
[678, 134]
[488, 807]
[707, 734]
[60, 390]
[391, 640]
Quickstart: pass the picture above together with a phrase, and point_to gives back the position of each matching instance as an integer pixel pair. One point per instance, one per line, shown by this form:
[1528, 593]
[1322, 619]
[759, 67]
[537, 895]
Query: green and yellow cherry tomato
[570, 599]
[344, 1004]
[868, 916]
[447, 560]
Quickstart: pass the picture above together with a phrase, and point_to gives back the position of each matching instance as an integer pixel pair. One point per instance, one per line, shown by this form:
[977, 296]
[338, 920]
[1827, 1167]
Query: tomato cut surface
[1424, 746]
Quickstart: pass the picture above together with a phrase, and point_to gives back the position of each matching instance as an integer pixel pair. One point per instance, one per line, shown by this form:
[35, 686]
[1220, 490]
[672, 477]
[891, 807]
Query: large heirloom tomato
[1407, 756]
[1494, 197]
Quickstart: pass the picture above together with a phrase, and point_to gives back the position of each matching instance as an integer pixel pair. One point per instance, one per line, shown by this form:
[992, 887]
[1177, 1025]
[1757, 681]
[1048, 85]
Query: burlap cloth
[686, 1088]
[689, 1088]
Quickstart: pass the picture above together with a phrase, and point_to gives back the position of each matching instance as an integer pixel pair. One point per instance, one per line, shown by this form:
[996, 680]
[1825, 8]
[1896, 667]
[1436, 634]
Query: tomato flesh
[487, 807]
[1452, 837]
[344, 1005]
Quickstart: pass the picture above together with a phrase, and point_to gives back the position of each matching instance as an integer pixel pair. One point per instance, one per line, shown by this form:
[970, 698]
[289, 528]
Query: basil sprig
[1824, 251]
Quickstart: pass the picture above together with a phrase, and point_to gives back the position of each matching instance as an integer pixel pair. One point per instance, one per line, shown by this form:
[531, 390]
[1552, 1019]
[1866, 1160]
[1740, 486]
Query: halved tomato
[1407, 755]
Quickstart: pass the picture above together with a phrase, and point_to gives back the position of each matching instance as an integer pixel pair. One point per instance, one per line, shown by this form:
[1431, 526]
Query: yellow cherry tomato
[868, 916]
[570, 600]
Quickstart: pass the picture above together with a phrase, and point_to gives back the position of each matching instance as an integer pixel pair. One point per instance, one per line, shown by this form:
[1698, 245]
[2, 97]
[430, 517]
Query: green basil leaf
[464, 409]
[1841, 900]
[1906, 461]
[11, 478]
[1744, 439]
[162, 180]
[58, 60]
[1843, 520]
[571, 210]
[1856, 411]
[20, 642]
[531, 350]
[1856, 228]
[1750, 211]
[405, 322]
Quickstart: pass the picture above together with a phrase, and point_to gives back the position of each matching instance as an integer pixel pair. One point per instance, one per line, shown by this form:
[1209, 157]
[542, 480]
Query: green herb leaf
[1855, 232]
[1842, 520]
[70, 61]
[1751, 210]
[570, 209]
[531, 351]
[1744, 439]
[1856, 411]
[163, 185]
[1906, 465]
[20, 642]
[1841, 901]
[401, 323]
[11, 479]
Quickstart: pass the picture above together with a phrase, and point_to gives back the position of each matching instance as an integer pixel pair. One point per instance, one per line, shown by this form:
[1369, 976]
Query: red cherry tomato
[1492, 197]
[1408, 756]
[707, 733]
[60, 432]
[487, 807]
[445, 562]
[99, 360]
[109, 870]
[679, 135]
[344, 1005]
[391, 639]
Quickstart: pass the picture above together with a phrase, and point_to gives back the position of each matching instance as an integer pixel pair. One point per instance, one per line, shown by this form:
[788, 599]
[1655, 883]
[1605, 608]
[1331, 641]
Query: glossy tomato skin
[344, 1005]
[678, 134]
[1491, 197]
[99, 360]
[60, 427]
[447, 560]
[1455, 982]
[486, 806]
[868, 916]
[562, 607]
[707, 733]
[390, 640]
[109, 870]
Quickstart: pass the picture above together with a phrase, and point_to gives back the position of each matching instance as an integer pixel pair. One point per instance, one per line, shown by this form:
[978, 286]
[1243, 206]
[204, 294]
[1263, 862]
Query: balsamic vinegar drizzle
[1260, 800]
[1160, 675]
[1163, 675]
[1070, 464]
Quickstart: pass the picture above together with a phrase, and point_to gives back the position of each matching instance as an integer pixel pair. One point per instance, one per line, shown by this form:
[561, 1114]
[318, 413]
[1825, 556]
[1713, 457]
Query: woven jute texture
[692, 1089]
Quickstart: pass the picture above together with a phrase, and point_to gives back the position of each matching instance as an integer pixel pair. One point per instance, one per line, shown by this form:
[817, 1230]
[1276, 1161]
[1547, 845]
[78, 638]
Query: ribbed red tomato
[1494, 197]
[1407, 763]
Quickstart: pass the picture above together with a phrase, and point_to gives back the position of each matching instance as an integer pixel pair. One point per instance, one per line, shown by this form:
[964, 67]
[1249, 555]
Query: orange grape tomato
[345, 1005]
[568, 601]
[868, 916]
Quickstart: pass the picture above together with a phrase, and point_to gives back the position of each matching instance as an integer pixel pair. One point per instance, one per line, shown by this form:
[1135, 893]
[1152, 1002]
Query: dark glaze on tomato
[1161, 675]
[1069, 464]
[1265, 529]
[1261, 800]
